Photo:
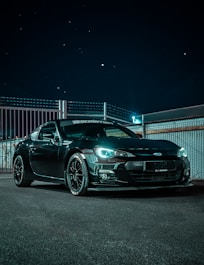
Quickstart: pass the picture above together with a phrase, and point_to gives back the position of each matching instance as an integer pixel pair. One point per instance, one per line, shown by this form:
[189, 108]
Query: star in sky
[88, 49]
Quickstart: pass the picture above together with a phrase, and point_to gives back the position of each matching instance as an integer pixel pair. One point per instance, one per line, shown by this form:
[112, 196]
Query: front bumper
[133, 188]
[142, 174]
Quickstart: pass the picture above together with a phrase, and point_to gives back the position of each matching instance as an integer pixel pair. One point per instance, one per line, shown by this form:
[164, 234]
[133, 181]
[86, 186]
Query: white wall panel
[192, 140]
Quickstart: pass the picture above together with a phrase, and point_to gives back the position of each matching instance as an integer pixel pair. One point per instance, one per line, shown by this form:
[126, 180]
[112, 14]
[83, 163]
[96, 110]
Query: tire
[77, 175]
[19, 173]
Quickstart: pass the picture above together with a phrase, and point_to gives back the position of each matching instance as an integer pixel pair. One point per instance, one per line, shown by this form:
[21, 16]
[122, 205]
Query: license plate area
[159, 166]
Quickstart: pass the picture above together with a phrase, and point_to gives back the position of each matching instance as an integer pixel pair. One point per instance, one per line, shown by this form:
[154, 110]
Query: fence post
[143, 127]
[105, 111]
[62, 109]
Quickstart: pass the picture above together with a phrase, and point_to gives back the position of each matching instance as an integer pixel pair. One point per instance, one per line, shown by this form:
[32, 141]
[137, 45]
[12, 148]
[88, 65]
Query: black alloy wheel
[77, 175]
[19, 173]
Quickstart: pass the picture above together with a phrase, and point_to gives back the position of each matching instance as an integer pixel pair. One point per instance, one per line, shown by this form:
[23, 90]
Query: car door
[44, 152]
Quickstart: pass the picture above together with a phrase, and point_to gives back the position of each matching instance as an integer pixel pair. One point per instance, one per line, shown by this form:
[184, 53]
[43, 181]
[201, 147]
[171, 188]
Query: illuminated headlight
[109, 153]
[182, 152]
[104, 152]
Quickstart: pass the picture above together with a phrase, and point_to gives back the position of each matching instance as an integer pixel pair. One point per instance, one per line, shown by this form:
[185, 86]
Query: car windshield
[96, 130]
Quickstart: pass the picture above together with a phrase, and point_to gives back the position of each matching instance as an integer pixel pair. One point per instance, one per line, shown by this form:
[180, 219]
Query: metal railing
[18, 117]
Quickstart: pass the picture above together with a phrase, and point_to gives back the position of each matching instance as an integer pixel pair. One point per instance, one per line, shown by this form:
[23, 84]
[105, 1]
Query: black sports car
[98, 155]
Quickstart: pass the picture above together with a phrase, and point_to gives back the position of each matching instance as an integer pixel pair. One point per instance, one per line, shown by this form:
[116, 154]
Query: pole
[105, 111]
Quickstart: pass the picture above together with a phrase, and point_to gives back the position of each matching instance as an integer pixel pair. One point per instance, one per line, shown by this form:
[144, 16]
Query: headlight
[123, 154]
[182, 152]
[104, 152]
[109, 153]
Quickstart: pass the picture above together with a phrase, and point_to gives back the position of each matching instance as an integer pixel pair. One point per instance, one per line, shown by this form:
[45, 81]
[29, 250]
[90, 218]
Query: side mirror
[55, 141]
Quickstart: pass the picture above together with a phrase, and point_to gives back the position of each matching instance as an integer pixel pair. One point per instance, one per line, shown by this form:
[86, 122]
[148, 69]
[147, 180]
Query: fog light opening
[104, 176]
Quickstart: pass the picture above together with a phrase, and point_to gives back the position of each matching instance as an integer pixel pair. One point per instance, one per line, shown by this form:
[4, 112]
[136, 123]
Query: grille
[159, 177]
[160, 165]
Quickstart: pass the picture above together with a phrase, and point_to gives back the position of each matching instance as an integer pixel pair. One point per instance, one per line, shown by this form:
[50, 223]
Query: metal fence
[19, 116]
[7, 149]
[101, 110]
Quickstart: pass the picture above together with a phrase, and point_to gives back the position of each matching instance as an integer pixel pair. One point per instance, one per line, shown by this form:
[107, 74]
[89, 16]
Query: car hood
[138, 146]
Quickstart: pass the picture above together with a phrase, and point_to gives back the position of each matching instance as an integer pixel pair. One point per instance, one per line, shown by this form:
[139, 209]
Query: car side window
[47, 132]
[74, 131]
[116, 132]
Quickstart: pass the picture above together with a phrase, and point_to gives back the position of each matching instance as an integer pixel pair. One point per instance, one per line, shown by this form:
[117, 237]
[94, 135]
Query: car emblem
[157, 154]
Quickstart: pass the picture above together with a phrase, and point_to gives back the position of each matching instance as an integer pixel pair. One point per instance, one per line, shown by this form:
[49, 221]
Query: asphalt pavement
[45, 224]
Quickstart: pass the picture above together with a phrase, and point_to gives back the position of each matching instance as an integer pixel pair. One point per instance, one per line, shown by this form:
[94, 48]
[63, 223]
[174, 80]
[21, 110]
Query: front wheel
[77, 175]
[19, 173]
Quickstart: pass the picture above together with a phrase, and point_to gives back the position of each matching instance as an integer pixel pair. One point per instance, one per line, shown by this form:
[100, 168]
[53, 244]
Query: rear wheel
[77, 175]
[19, 173]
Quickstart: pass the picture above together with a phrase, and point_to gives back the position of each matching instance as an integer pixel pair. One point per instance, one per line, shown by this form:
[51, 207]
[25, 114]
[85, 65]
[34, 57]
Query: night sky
[144, 56]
